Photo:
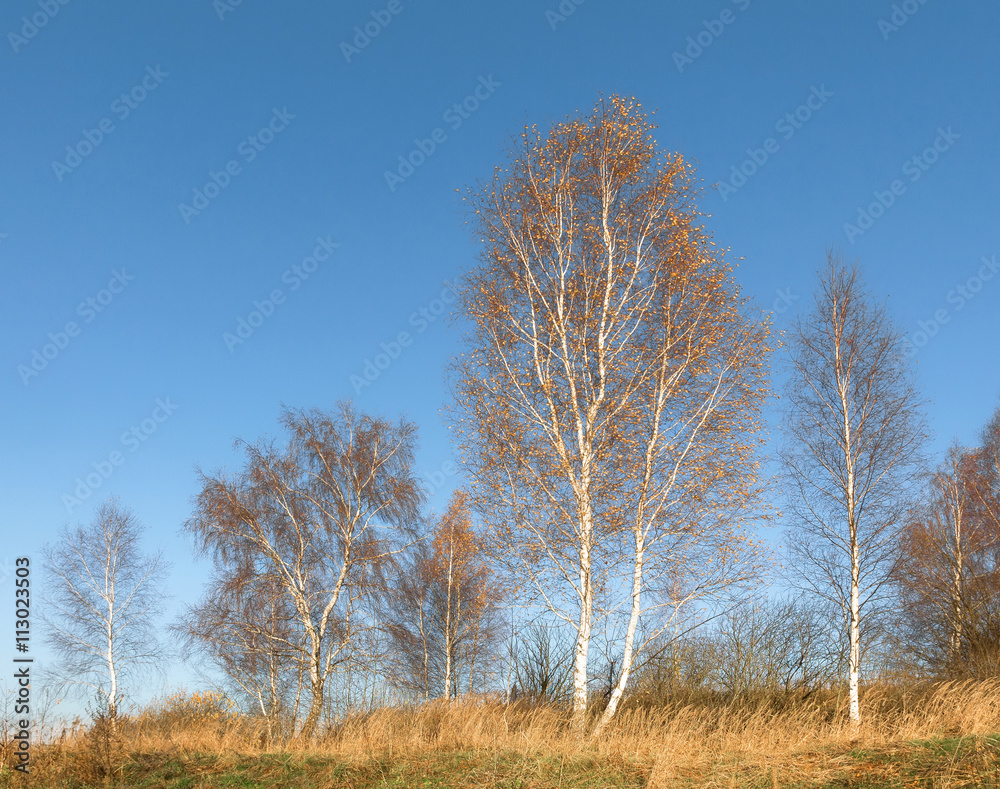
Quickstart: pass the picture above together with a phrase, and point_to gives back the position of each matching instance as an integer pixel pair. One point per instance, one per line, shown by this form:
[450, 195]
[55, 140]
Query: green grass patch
[941, 763]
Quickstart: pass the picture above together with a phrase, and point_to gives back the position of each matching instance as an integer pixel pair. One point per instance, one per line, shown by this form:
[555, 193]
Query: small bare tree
[986, 648]
[102, 598]
[443, 610]
[314, 517]
[408, 622]
[541, 666]
[854, 432]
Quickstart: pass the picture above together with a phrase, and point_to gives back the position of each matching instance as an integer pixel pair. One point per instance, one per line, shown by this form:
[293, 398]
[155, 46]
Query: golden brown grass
[765, 741]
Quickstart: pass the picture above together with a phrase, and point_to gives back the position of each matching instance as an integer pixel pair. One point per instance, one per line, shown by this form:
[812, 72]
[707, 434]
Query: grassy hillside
[934, 736]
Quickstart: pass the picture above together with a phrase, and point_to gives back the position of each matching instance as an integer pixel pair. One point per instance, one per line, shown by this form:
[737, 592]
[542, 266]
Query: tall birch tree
[854, 435]
[608, 398]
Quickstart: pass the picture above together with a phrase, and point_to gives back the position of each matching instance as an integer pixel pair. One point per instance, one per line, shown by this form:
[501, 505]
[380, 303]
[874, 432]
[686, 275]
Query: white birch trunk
[112, 669]
[854, 658]
[633, 623]
[854, 628]
[958, 572]
[584, 628]
[448, 637]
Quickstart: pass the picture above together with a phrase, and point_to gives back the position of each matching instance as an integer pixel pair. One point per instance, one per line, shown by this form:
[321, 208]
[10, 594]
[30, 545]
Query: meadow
[928, 735]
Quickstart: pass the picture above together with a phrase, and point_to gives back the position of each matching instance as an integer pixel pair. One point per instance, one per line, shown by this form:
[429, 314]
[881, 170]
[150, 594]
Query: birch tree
[443, 616]
[986, 490]
[985, 650]
[102, 598]
[937, 549]
[854, 433]
[408, 622]
[608, 398]
[314, 517]
[948, 566]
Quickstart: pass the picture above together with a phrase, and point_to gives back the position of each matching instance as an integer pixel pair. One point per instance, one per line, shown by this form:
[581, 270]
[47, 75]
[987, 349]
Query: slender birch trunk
[854, 656]
[633, 623]
[109, 586]
[584, 625]
[426, 652]
[957, 596]
[449, 645]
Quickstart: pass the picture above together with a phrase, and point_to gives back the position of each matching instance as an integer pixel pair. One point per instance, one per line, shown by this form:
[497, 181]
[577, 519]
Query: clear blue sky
[114, 114]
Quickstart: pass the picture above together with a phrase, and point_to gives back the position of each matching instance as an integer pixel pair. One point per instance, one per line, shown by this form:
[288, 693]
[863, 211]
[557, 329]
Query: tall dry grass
[793, 735]
[799, 738]
[764, 724]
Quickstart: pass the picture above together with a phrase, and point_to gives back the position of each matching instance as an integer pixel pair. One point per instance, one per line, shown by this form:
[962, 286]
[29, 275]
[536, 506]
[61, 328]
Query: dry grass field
[945, 735]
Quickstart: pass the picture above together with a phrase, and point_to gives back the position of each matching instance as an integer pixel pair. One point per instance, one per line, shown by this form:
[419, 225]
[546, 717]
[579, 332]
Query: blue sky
[172, 168]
